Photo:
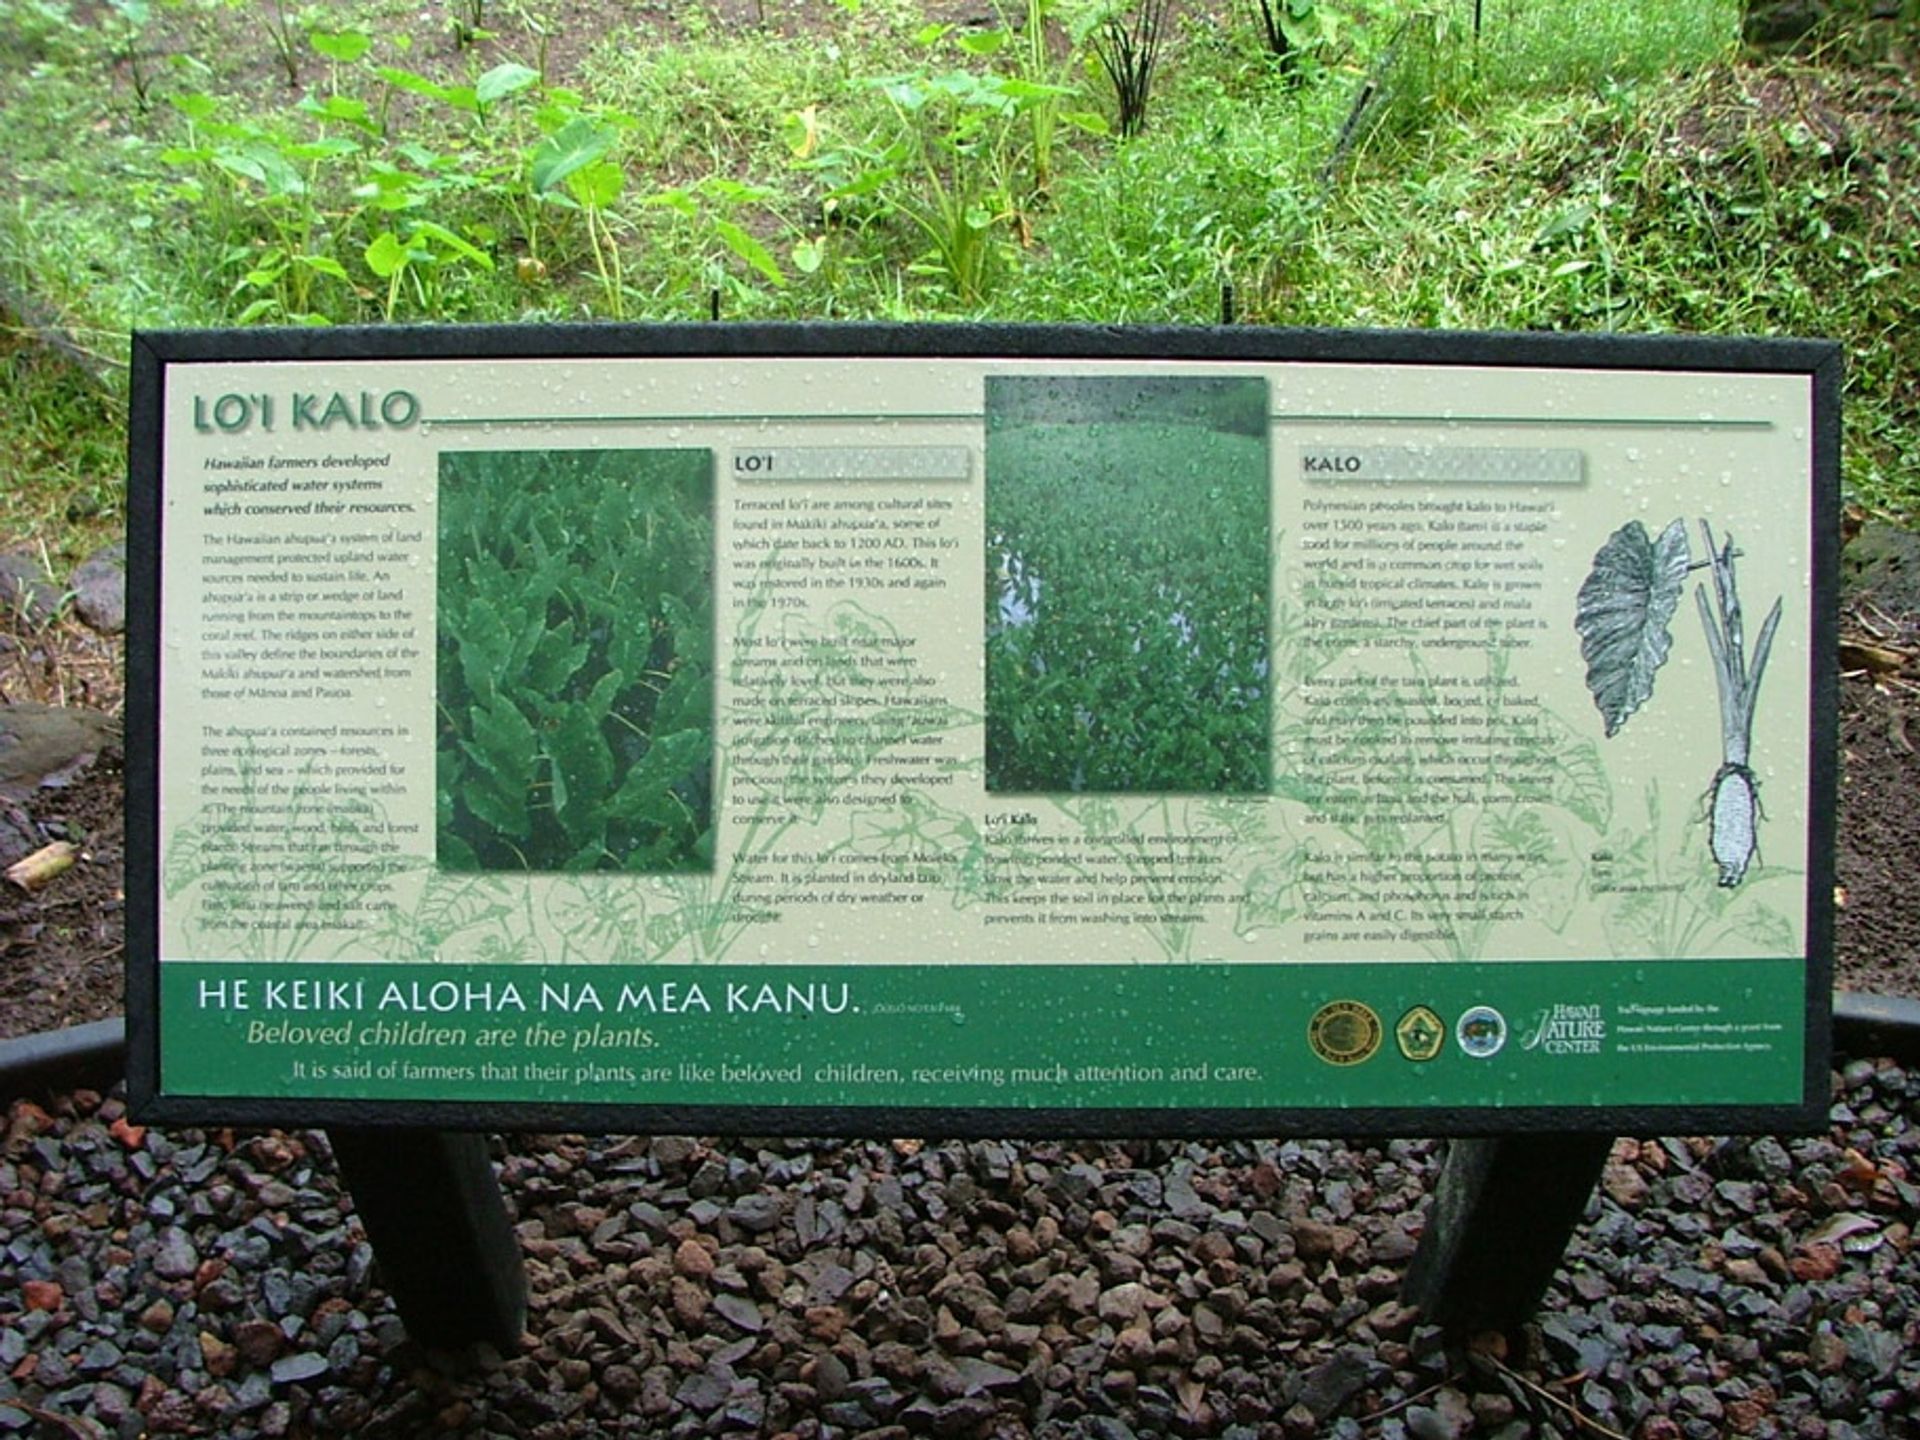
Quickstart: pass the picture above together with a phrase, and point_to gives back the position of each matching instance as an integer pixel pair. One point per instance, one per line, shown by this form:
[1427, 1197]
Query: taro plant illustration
[1622, 613]
[1127, 585]
[575, 701]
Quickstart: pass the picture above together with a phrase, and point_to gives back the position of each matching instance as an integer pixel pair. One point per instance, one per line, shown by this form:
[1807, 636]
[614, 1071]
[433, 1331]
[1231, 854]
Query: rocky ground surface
[213, 1283]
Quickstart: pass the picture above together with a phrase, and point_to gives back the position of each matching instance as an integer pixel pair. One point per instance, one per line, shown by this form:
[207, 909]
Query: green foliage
[946, 165]
[1127, 589]
[576, 660]
[1567, 167]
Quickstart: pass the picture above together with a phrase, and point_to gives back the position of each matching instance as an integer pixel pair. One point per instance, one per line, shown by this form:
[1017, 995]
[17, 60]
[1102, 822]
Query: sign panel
[983, 729]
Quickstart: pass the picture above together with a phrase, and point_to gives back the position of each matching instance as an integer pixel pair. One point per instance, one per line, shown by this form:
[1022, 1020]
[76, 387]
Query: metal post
[1498, 1225]
[439, 1227]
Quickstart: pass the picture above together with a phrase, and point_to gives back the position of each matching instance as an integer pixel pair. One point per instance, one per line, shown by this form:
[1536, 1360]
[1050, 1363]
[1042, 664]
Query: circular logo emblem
[1481, 1032]
[1344, 1033]
[1420, 1033]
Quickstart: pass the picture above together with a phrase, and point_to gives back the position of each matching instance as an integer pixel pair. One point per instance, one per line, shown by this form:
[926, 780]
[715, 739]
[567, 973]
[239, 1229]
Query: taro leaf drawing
[1622, 615]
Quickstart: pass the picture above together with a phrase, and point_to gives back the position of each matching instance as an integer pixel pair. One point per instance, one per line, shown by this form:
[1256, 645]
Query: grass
[1619, 168]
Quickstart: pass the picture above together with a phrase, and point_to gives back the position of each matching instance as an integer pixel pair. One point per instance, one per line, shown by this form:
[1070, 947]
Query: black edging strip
[90, 1057]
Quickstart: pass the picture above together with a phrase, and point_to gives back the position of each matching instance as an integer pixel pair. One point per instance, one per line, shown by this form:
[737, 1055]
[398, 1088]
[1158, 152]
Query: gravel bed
[218, 1283]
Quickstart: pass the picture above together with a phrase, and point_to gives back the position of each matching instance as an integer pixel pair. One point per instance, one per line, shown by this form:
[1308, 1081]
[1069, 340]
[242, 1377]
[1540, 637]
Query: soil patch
[63, 949]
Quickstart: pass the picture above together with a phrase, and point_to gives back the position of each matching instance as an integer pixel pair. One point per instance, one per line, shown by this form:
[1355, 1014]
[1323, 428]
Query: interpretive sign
[981, 729]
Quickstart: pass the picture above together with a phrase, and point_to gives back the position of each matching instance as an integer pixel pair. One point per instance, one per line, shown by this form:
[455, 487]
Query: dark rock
[739, 1311]
[25, 589]
[1330, 1385]
[706, 1390]
[1183, 1201]
[99, 585]
[291, 1369]
[755, 1213]
[978, 1375]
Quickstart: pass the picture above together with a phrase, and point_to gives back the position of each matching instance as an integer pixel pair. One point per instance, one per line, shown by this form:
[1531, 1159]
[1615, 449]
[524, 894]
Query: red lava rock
[24, 1121]
[259, 1342]
[693, 1260]
[826, 1323]
[127, 1133]
[689, 1300]
[1624, 1185]
[42, 1295]
[1659, 1427]
[1815, 1262]
[219, 1355]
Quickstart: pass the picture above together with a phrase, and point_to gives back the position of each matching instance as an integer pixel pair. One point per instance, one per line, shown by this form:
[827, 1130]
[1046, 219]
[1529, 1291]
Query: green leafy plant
[1292, 28]
[419, 260]
[707, 208]
[467, 19]
[1037, 67]
[947, 169]
[575, 660]
[261, 183]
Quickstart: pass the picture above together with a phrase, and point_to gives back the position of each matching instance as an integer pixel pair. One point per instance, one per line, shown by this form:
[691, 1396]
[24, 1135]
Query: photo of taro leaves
[575, 705]
[1127, 528]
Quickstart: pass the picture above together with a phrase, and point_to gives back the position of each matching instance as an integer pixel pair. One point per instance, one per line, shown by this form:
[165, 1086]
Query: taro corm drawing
[1622, 615]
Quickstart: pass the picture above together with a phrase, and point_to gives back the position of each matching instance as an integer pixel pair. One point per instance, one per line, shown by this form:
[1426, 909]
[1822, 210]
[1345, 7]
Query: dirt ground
[62, 951]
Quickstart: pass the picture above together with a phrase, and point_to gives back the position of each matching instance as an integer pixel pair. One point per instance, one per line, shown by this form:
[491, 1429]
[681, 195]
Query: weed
[1128, 46]
[282, 26]
[128, 37]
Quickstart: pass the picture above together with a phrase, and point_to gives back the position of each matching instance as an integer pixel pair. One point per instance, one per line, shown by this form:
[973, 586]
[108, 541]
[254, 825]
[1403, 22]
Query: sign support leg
[438, 1223]
[1498, 1225]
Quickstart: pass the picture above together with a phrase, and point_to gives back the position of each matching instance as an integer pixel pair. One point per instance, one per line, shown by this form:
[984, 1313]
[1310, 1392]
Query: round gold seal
[1344, 1032]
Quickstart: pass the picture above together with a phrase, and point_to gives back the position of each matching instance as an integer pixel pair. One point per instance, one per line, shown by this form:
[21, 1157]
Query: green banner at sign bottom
[1412, 1036]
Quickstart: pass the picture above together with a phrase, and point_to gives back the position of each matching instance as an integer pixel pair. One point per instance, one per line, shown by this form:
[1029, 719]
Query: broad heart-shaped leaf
[749, 250]
[502, 81]
[598, 185]
[386, 255]
[345, 46]
[581, 141]
[1622, 615]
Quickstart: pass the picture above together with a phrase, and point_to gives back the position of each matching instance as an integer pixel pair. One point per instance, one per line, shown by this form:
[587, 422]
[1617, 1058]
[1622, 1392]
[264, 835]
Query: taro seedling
[1127, 585]
[575, 704]
[1622, 615]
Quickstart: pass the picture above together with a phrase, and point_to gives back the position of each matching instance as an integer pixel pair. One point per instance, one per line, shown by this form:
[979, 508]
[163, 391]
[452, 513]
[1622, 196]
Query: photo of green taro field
[1127, 523]
[575, 704]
